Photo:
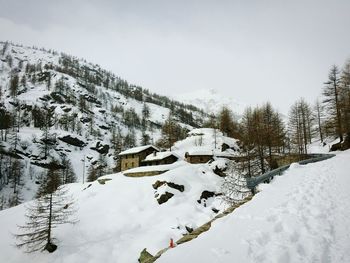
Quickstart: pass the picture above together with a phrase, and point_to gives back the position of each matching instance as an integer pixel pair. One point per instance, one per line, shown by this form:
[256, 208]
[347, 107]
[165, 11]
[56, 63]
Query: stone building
[133, 157]
[198, 156]
[158, 158]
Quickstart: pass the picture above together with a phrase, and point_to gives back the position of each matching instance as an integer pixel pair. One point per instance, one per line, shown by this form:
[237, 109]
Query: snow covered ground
[120, 218]
[302, 216]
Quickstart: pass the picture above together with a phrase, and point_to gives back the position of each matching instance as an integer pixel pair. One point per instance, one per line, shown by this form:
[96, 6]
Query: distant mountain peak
[211, 100]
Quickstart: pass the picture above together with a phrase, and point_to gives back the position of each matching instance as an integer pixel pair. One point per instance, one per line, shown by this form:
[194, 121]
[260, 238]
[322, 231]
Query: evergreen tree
[68, 175]
[145, 138]
[130, 139]
[14, 85]
[5, 122]
[92, 174]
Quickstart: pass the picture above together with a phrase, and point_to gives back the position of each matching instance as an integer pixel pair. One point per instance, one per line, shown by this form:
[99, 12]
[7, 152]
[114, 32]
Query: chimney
[154, 153]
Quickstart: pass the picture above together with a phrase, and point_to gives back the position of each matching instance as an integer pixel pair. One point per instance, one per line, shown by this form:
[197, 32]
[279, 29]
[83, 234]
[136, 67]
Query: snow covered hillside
[55, 107]
[302, 216]
[206, 141]
[121, 217]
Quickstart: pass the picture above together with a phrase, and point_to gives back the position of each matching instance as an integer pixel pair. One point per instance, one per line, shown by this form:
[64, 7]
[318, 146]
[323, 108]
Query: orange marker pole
[172, 243]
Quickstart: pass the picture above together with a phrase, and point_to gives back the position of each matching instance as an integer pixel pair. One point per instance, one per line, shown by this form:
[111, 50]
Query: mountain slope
[55, 107]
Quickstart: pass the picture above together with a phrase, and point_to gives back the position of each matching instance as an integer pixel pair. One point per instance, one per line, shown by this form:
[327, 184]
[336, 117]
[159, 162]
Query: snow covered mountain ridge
[212, 101]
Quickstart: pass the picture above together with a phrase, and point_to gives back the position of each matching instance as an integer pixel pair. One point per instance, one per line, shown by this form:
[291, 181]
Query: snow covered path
[302, 216]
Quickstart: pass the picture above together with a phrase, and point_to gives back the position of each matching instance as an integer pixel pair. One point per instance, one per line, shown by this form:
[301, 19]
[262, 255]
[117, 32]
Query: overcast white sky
[252, 50]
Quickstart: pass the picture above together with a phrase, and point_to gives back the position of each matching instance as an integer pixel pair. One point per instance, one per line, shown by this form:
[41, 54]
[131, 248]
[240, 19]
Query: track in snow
[302, 216]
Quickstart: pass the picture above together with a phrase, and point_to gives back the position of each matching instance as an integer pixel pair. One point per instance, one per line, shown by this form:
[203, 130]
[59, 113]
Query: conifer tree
[68, 175]
[92, 174]
[14, 85]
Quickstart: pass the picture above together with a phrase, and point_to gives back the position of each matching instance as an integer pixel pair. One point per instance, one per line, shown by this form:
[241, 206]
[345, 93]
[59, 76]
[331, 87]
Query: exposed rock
[146, 257]
[14, 103]
[206, 195]
[336, 147]
[87, 187]
[85, 119]
[57, 97]
[103, 181]
[101, 148]
[51, 165]
[215, 210]
[92, 99]
[178, 187]
[72, 141]
[43, 76]
[164, 197]
[50, 247]
[157, 184]
[67, 109]
[103, 127]
[11, 154]
[220, 172]
[189, 229]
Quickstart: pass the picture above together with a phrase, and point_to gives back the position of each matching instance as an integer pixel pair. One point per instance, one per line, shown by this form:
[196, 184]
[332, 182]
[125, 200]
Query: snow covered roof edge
[138, 149]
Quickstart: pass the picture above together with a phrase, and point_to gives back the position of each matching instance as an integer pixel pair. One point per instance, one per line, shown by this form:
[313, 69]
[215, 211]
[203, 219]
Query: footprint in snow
[294, 237]
[219, 252]
[278, 227]
[272, 218]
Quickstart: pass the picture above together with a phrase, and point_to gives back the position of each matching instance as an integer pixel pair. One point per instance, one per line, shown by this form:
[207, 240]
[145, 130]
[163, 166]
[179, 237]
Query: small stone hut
[158, 158]
[133, 157]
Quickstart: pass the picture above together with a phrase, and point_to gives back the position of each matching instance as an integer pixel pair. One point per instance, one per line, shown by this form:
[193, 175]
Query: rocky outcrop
[72, 141]
[101, 148]
[178, 187]
[146, 257]
[164, 197]
[205, 196]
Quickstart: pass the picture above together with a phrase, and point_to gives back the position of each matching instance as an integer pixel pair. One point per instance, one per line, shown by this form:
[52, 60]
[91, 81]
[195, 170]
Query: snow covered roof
[138, 149]
[159, 156]
[229, 141]
[200, 131]
[200, 152]
[210, 153]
